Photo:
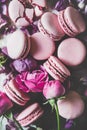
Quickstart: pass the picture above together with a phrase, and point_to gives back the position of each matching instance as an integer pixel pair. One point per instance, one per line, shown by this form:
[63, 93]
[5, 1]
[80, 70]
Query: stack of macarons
[68, 21]
[49, 25]
[64, 22]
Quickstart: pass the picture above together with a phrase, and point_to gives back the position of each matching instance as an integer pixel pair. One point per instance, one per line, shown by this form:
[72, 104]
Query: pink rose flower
[53, 89]
[5, 103]
[34, 81]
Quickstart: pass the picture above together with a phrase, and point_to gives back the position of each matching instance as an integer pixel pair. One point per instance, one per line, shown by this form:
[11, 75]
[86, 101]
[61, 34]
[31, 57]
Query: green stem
[57, 116]
[16, 122]
[20, 127]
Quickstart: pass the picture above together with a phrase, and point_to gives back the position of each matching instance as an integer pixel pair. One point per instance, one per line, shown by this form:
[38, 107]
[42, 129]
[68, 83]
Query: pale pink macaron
[72, 106]
[30, 114]
[71, 52]
[41, 46]
[15, 94]
[56, 69]
[18, 45]
[71, 21]
[22, 16]
[48, 25]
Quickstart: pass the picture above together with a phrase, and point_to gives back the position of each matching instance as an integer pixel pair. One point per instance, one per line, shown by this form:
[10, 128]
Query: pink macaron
[41, 46]
[71, 52]
[30, 114]
[18, 47]
[5, 103]
[72, 106]
[56, 69]
[48, 25]
[71, 21]
[13, 91]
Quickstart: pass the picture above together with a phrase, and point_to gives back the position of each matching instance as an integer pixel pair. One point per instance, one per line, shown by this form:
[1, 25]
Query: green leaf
[9, 115]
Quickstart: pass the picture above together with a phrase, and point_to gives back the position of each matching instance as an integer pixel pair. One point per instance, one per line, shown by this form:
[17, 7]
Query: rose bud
[53, 89]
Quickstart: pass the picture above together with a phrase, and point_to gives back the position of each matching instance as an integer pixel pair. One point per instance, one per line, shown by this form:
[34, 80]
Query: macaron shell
[28, 47]
[15, 5]
[64, 26]
[40, 44]
[74, 19]
[50, 24]
[16, 45]
[72, 106]
[71, 52]
[30, 114]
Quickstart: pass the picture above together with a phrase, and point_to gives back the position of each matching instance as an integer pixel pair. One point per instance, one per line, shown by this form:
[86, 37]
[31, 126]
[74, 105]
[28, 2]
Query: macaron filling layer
[25, 49]
[56, 70]
[69, 26]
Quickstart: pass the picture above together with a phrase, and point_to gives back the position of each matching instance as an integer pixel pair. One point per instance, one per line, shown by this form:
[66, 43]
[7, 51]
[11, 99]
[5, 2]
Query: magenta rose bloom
[34, 81]
[5, 103]
[53, 89]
